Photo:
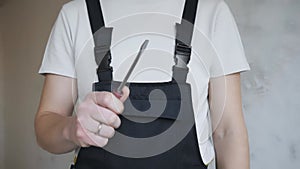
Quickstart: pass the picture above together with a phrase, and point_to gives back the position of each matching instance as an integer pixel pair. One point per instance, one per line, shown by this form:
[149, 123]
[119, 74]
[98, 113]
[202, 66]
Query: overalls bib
[157, 126]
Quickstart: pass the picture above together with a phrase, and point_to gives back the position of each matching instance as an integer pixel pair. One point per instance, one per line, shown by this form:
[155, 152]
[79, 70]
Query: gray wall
[270, 30]
[26, 27]
[1, 103]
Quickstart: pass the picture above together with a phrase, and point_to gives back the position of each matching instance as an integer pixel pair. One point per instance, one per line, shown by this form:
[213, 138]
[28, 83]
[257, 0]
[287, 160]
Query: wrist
[68, 130]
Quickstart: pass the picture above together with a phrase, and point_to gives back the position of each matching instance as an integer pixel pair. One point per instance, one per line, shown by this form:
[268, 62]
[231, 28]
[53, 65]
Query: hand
[97, 118]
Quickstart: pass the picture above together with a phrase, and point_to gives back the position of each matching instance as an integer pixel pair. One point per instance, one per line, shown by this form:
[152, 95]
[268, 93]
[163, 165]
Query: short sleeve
[59, 55]
[227, 43]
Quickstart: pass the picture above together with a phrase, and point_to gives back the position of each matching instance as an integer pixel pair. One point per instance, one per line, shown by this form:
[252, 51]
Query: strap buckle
[182, 54]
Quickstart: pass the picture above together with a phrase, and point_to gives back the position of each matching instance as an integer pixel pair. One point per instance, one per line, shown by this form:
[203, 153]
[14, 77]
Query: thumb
[125, 94]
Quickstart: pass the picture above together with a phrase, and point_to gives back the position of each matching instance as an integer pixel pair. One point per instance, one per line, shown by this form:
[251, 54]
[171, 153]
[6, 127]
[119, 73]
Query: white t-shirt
[216, 45]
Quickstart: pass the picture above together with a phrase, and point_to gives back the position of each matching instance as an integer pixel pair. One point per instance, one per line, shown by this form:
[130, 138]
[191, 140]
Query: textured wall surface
[26, 27]
[1, 101]
[270, 30]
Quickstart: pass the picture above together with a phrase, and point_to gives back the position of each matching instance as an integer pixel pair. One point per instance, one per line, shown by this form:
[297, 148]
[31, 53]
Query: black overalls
[157, 126]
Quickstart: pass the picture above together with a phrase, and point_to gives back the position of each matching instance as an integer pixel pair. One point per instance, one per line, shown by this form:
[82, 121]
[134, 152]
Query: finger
[106, 131]
[106, 116]
[82, 139]
[91, 125]
[86, 117]
[90, 114]
[96, 140]
[125, 94]
[108, 100]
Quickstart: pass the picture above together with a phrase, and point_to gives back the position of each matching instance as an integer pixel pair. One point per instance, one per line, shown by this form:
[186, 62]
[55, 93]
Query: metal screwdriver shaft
[142, 49]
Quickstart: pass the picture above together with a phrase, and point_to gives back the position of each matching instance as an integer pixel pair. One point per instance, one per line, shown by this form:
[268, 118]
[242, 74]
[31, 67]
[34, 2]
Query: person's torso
[133, 21]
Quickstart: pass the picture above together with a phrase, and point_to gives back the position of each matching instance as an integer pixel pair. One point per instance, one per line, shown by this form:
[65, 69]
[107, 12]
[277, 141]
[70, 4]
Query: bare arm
[54, 115]
[229, 129]
[57, 131]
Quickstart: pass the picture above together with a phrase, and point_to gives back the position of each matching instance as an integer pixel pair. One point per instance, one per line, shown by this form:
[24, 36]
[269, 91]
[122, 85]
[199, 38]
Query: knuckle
[79, 135]
[107, 98]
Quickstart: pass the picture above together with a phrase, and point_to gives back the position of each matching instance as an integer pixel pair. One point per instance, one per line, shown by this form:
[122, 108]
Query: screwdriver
[118, 92]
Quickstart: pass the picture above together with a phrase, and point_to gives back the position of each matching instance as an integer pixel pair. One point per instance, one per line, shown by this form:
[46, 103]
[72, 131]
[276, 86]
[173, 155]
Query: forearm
[232, 150]
[53, 132]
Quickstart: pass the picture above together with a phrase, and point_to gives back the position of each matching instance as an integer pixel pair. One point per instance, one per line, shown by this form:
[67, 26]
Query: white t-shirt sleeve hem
[59, 55]
[236, 69]
[56, 72]
[227, 44]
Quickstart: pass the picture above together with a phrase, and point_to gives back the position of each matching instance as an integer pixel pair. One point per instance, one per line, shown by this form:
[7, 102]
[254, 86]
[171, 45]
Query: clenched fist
[97, 118]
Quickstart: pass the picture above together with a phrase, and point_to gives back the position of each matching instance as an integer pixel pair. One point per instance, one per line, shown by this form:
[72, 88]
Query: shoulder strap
[185, 29]
[190, 10]
[95, 14]
[184, 34]
[102, 39]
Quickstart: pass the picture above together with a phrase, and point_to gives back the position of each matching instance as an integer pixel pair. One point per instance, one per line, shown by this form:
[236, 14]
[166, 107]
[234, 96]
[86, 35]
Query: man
[69, 70]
